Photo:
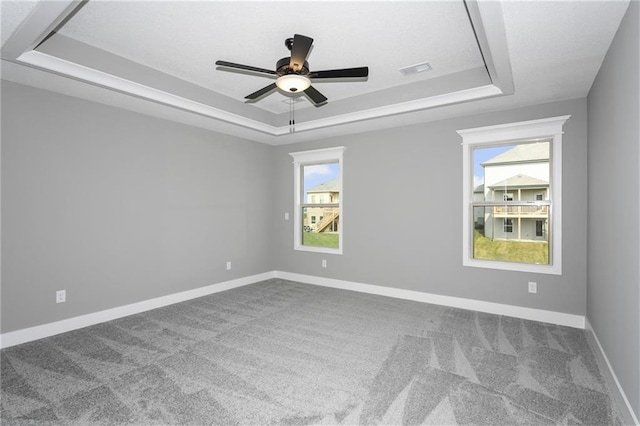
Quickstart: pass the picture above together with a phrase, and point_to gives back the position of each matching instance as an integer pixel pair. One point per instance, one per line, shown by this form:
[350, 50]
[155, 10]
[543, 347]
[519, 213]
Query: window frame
[308, 158]
[519, 132]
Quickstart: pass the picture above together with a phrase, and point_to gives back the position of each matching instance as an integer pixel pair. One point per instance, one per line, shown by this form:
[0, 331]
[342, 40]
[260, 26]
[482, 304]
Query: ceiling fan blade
[244, 67]
[342, 73]
[316, 97]
[261, 92]
[299, 51]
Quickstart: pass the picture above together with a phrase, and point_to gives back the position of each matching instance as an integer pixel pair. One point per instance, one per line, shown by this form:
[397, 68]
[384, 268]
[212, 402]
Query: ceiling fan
[293, 74]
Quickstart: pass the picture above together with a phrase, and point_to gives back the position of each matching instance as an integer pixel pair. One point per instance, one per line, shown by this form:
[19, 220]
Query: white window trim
[317, 156]
[526, 130]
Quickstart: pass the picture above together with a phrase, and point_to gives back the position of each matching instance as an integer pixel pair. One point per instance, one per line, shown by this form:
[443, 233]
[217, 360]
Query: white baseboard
[612, 374]
[34, 333]
[46, 330]
[570, 320]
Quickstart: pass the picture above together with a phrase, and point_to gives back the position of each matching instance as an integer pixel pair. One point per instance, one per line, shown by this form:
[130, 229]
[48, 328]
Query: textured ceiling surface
[185, 39]
[539, 51]
[13, 13]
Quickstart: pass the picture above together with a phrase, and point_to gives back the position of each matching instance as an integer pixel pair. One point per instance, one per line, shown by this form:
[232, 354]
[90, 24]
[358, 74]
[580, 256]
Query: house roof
[527, 152]
[329, 186]
[479, 188]
[520, 181]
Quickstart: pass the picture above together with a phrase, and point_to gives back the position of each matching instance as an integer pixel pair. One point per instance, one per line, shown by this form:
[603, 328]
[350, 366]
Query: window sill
[318, 249]
[513, 266]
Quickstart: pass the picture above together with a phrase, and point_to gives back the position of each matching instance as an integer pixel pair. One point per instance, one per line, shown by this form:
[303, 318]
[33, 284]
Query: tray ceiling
[158, 57]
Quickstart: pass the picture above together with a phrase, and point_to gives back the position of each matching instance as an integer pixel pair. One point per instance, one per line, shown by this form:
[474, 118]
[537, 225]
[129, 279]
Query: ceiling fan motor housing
[293, 75]
[283, 68]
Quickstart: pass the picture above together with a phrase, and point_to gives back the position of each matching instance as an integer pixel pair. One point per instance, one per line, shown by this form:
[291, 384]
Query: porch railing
[523, 211]
[329, 216]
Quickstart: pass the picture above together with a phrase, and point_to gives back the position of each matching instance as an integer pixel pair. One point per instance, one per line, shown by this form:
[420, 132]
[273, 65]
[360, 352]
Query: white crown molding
[47, 15]
[43, 19]
[492, 40]
[466, 95]
[70, 69]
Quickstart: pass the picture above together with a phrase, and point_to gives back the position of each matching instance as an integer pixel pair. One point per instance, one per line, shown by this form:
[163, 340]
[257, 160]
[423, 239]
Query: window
[318, 197]
[507, 226]
[512, 209]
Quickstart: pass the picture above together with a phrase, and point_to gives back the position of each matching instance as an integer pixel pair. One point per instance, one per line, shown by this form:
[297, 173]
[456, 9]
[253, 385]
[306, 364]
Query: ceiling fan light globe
[293, 83]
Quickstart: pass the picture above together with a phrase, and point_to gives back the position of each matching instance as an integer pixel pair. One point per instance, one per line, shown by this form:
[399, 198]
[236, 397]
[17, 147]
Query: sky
[481, 155]
[319, 173]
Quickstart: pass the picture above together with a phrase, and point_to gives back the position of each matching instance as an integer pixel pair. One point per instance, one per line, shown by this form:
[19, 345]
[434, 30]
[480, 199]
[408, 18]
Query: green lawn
[321, 239]
[510, 251]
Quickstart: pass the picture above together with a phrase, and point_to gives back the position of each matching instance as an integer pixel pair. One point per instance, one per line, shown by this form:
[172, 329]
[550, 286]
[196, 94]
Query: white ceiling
[185, 39]
[158, 57]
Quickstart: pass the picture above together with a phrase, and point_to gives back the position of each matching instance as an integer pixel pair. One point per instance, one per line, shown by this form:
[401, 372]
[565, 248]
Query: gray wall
[117, 207]
[403, 215]
[613, 304]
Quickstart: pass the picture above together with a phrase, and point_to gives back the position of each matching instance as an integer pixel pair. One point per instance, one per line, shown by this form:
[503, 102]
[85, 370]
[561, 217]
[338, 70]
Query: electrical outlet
[286, 215]
[228, 265]
[324, 263]
[61, 296]
[533, 287]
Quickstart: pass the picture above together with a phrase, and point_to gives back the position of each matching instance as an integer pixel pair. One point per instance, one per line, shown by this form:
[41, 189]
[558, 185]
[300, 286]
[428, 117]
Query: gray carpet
[280, 352]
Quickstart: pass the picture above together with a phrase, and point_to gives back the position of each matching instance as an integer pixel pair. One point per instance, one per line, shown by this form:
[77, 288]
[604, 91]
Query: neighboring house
[519, 174]
[323, 218]
[478, 214]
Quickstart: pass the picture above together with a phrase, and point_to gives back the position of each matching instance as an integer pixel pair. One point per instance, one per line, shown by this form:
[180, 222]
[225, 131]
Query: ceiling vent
[415, 69]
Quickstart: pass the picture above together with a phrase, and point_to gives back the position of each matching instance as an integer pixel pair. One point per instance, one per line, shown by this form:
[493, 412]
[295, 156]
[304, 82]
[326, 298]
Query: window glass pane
[522, 237]
[321, 183]
[320, 226]
[518, 172]
[512, 174]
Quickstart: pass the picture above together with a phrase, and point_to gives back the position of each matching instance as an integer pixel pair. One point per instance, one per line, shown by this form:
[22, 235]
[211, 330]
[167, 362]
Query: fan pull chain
[292, 116]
